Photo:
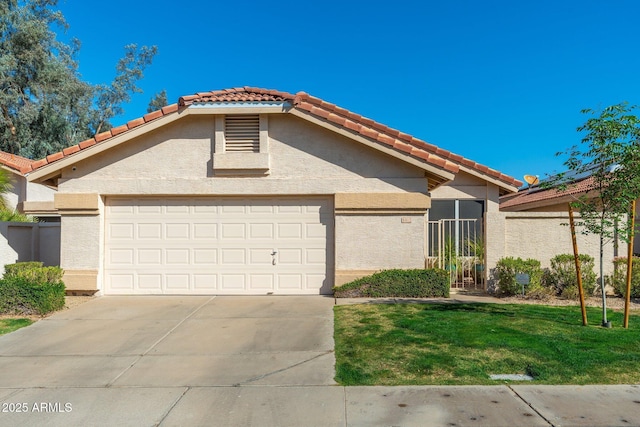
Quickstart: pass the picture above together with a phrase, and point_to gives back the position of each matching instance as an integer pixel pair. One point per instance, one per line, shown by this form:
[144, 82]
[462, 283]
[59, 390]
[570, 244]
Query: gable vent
[242, 133]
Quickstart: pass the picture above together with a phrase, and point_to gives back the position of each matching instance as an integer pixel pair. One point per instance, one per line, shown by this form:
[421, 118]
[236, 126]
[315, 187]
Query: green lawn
[392, 344]
[10, 325]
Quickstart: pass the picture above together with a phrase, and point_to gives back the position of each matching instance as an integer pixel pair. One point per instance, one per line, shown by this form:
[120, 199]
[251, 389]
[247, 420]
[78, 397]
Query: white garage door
[218, 246]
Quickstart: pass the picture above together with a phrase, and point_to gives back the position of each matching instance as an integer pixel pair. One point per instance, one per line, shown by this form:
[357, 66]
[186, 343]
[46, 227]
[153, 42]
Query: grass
[420, 344]
[10, 325]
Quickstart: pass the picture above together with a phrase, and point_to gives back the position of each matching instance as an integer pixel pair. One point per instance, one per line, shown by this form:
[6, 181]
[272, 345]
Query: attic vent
[242, 133]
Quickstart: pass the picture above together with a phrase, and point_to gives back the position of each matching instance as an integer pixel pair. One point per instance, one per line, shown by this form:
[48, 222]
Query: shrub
[34, 271]
[19, 295]
[561, 278]
[29, 288]
[619, 279]
[14, 216]
[427, 283]
[506, 270]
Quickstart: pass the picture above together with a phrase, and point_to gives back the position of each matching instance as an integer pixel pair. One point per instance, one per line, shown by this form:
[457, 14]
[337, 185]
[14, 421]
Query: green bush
[28, 288]
[427, 283]
[33, 271]
[619, 279]
[506, 270]
[561, 278]
[19, 295]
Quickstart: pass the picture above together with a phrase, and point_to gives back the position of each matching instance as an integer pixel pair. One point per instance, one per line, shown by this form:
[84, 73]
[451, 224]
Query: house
[28, 241]
[253, 191]
[535, 222]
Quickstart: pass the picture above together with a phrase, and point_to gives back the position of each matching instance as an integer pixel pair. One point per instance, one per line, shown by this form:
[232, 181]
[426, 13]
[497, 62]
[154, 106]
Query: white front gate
[456, 245]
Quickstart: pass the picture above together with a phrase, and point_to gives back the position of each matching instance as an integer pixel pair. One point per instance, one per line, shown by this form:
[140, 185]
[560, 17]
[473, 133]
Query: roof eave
[54, 169]
[436, 175]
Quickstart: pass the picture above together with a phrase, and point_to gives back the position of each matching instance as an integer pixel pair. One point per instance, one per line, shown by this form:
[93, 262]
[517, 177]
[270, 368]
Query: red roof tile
[549, 196]
[302, 101]
[15, 162]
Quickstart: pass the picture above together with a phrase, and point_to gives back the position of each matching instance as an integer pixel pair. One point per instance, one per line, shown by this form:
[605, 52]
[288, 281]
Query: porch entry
[455, 242]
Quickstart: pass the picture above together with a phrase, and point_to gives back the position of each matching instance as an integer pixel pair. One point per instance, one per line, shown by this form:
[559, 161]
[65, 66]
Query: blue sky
[501, 82]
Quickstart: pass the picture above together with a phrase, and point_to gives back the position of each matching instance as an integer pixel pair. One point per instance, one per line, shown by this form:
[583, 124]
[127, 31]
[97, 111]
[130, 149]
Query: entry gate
[456, 245]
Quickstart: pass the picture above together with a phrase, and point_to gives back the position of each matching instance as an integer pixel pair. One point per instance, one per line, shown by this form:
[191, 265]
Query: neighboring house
[253, 191]
[28, 241]
[536, 225]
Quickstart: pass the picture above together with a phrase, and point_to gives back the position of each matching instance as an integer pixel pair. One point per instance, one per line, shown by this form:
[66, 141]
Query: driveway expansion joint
[268, 374]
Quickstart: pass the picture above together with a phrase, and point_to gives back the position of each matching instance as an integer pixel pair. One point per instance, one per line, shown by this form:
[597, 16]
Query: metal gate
[456, 245]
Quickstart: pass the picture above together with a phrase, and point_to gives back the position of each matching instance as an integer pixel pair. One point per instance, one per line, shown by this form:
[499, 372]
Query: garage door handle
[273, 254]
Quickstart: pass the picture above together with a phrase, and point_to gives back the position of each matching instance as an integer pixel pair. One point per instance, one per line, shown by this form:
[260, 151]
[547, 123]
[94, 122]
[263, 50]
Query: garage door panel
[261, 281]
[205, 256]
[149, 257]
[233, 231]
[221, 246]
[121, 256]
[205, 231]
[260, 231]
[205, 282]
[150, 231]
[120, 231]
[233, 282]
[150, 282]
[177, 231]
[290, 231]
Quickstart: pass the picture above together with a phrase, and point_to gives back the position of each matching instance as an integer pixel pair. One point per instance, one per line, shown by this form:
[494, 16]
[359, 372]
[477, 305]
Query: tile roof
[302, 101]
[525, 198]
[15, 162]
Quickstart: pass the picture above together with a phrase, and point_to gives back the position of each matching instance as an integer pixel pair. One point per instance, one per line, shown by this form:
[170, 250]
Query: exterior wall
[26, 241]
[304, 159]
[540, 235]
[369, 243]
[466, 186]
[23, 191]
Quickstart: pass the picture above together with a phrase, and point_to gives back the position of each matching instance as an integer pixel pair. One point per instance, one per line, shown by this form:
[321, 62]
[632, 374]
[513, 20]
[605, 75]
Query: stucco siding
[466, 186]
[366, 242]
[305, 159]
[541, 236]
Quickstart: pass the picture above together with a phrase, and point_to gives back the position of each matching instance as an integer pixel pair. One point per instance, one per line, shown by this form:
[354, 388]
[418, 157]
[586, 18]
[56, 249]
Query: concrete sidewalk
[280, 406]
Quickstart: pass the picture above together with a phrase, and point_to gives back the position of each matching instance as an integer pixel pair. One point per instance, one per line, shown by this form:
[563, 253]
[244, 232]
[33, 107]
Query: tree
[5, 186]
[158, 101]
[610, 157]
[45, 106]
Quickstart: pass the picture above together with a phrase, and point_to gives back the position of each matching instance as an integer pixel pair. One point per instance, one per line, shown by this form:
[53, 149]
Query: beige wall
[22, 190]
[305, 159]
[467, 186]
[541, 236]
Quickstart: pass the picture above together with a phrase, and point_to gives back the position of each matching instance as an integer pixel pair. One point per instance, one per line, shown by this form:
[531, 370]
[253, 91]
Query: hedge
[429, 283]
[29, 288]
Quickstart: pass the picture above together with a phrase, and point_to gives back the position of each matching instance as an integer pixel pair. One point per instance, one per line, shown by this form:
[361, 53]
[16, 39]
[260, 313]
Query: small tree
[610, 159]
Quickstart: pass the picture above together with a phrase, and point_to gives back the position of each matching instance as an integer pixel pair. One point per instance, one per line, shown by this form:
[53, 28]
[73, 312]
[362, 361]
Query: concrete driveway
[144, 353]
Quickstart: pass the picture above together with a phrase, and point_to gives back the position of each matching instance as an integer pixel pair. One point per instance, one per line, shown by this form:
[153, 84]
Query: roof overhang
[51, 171]
[434, 175]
